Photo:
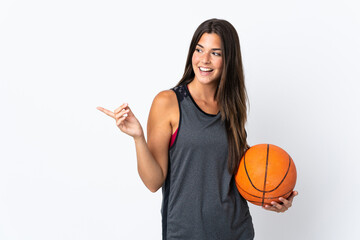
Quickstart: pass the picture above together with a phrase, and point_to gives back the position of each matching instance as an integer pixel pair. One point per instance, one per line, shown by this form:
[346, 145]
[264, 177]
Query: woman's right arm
[152, 156]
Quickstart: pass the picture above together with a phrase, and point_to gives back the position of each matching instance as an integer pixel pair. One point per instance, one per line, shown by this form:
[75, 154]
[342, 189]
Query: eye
[198, 50]
[217, 54]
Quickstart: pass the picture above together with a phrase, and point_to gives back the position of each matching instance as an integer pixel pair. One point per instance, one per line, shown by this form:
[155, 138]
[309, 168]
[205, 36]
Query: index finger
[107, 112]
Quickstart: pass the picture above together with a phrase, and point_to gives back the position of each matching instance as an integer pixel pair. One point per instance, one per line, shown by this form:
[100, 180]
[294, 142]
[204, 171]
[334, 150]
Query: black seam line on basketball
[269, 198]
[249, 176]
[246, 191]
[287, 171]
[254, 202]
[282, 180]
[265, 177]
[266, 168]
[276, 197]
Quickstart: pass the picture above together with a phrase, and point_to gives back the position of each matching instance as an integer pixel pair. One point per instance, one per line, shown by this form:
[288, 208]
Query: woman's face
[207, 59]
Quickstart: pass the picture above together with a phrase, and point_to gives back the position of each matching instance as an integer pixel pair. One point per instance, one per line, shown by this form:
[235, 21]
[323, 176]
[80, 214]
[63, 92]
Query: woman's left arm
[282, 207]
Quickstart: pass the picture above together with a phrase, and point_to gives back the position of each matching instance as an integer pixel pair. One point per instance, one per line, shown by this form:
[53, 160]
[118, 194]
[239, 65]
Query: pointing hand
[125, 120]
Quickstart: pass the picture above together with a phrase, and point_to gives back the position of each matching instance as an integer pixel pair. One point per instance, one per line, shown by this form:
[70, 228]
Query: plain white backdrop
[67, 172]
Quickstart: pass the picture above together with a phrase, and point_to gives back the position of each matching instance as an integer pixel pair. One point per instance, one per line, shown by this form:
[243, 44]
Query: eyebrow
[216, 49]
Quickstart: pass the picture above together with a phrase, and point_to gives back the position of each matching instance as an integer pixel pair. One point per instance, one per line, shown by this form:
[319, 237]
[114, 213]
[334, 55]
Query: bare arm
[159, 133]
[152, 156]
[149, 169]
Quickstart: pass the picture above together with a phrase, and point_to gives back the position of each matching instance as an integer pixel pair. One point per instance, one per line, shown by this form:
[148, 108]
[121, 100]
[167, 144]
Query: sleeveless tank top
[200, 198]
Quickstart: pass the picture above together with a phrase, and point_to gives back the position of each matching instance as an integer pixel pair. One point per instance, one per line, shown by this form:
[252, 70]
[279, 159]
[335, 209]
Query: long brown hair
[231, 93]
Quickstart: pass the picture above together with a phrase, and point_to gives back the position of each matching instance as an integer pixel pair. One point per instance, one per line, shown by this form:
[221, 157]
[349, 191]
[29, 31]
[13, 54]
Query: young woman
[195, 139]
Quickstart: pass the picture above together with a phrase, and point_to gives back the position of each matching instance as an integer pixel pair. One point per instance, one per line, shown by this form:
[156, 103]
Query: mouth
[203, 69]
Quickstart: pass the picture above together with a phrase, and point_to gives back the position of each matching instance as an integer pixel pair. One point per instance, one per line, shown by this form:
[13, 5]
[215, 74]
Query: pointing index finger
[107, 112]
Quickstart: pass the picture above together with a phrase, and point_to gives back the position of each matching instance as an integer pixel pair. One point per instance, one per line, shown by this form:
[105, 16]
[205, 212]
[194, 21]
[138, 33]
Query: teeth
[205, 69]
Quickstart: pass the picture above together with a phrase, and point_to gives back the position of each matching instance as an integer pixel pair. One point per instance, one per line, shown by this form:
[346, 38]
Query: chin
[203, 80]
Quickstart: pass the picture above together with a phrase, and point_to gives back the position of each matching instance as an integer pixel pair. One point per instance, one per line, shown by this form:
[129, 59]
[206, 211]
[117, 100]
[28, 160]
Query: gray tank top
[200, 198]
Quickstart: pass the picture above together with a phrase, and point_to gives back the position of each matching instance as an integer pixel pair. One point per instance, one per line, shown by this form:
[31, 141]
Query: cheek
[219, 64]
[194, 59]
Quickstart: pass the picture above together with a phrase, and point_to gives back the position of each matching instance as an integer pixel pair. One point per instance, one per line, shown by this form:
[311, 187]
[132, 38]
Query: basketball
[266, 172]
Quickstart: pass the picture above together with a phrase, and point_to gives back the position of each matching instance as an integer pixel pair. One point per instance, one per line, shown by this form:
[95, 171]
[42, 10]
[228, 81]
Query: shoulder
[165, 109]
[165, 99]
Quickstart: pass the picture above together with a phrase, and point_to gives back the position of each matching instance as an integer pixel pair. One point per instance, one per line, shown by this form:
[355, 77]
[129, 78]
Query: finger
[293, 194]
[279, 207]
[271, 208]
[130, 113]
[120, 108]
[276, 205]
[119, 115]
[107, 112]
[120, 120]
[286, 202]
[268, 207]
[291, 197]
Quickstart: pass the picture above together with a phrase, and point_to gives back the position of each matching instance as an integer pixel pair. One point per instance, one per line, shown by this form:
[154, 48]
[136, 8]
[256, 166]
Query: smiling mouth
[202, 69]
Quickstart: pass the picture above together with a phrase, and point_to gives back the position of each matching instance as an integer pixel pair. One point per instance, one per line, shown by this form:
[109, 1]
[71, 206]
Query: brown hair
[231, 93]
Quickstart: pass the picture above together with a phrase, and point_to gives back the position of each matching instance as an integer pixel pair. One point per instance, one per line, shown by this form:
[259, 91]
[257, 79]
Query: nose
[205, 58]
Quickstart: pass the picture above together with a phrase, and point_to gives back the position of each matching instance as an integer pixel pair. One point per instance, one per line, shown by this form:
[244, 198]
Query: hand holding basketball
[126, 123]
[282, 207]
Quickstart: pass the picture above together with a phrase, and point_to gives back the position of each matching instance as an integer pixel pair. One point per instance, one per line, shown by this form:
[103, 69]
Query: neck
[205, 92]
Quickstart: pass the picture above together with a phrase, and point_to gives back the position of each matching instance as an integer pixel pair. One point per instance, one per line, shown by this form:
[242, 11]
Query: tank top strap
[186, 102]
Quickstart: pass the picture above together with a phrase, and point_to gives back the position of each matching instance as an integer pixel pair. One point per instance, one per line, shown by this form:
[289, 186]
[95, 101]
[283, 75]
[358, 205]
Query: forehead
[210, 40]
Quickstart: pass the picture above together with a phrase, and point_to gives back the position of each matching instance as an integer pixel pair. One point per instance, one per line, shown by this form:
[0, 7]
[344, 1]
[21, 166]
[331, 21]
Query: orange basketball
[266, 172]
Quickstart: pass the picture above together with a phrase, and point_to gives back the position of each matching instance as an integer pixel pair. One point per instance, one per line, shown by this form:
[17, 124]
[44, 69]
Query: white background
[66, 170]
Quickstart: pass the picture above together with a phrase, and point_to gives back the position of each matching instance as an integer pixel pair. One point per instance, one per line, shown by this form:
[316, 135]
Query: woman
[195, 139]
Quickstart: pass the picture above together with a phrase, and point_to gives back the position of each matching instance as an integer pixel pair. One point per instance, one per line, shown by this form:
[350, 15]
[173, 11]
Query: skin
[207, 54]
[283, 206]
[163, 120]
